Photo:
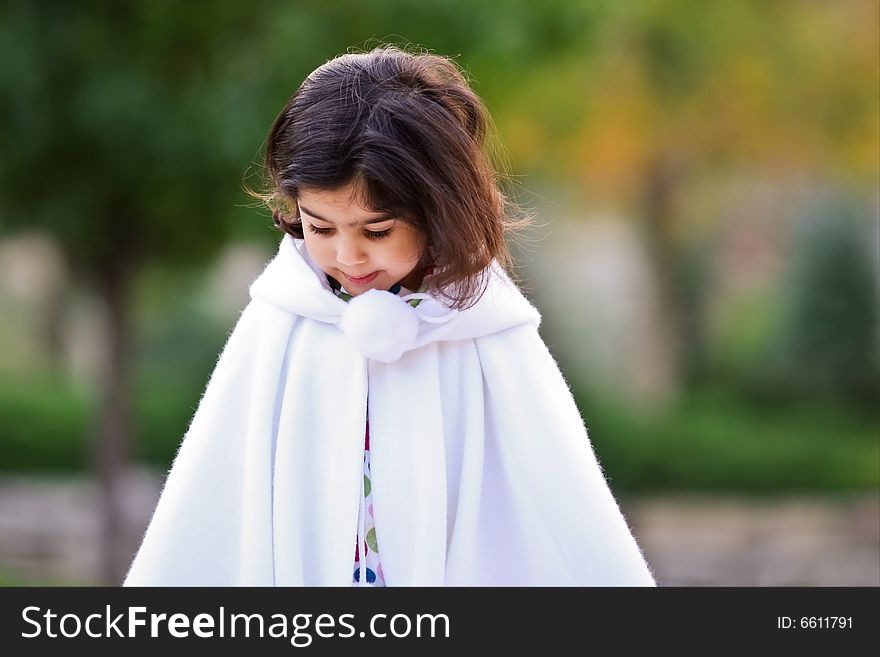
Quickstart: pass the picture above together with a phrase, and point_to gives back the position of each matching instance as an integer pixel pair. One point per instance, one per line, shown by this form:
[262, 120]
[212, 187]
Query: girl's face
[363, 250]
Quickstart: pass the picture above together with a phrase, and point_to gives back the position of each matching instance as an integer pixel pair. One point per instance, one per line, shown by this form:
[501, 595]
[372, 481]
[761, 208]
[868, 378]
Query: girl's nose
[349, 254]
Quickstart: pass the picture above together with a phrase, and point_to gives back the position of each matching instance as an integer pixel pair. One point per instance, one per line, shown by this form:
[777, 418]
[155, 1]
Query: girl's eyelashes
[374, 235]
[318, 231]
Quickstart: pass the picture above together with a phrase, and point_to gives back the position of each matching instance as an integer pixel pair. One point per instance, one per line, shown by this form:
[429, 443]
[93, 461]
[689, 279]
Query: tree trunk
[111, 449]
[55, 314]
[679, 276]
[662, 180]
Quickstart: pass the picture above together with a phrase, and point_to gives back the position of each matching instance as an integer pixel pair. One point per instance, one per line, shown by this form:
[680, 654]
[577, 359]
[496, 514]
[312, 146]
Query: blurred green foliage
[129, 125]
[13, 576]
[127, 129]
[46, 426]
[714, 440]
[717, 440]
[828, 346]
[813, 332]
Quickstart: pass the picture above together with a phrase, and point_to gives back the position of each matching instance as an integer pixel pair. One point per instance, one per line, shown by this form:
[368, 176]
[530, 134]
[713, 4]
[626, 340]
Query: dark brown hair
[408, 133]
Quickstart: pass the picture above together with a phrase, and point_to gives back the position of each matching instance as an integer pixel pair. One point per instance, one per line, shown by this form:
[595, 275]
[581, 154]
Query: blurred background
[706, 255]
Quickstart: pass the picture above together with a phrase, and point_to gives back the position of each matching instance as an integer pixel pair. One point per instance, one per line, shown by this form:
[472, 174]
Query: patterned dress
[366, 559]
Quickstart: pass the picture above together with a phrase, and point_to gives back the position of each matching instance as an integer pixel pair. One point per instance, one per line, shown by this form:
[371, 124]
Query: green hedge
[44, 427]
[717, 441]
[711, 441]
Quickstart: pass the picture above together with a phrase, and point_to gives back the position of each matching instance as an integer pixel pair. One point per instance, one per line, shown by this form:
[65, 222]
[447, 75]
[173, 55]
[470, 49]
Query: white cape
[483, 474]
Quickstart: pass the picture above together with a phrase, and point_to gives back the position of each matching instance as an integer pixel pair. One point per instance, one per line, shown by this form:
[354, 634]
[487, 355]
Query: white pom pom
[380, 325]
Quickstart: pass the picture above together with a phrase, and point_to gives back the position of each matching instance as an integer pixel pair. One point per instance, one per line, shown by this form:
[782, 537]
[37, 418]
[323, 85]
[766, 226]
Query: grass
[10, 577]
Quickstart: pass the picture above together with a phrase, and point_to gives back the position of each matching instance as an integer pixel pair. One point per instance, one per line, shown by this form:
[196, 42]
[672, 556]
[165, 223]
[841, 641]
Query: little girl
[387, 388]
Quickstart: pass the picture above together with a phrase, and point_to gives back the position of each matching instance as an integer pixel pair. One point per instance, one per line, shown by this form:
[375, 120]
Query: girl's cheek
[318, 249]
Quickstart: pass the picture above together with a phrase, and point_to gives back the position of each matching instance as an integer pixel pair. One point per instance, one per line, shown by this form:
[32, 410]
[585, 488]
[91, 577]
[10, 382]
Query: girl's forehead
[336, 204]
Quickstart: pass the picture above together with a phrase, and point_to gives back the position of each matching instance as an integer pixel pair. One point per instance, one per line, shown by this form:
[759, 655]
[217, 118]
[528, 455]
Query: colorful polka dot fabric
[368, 566]
[367, 563]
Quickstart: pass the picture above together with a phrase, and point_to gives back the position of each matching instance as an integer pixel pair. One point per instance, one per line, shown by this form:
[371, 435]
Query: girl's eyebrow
[375, 220]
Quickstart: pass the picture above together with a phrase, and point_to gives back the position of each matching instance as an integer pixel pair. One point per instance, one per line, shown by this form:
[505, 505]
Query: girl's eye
[319, 231]
[373, 235]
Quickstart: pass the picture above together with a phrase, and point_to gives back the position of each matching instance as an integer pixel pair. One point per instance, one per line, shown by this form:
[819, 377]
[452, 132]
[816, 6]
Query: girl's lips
[363, 280]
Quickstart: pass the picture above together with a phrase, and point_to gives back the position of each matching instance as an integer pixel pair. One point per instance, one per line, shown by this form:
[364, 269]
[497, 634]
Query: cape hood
[382, 325]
